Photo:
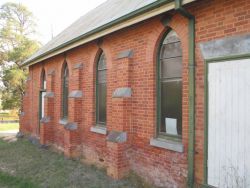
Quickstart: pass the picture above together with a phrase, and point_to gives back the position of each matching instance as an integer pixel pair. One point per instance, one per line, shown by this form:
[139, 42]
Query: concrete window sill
[63, 121]
[167, 144]
[99, 130]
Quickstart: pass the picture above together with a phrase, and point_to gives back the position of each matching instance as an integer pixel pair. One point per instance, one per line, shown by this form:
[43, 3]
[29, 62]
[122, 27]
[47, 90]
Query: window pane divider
[170, 57]
[102, 69]
[170, 79]
[171, 43]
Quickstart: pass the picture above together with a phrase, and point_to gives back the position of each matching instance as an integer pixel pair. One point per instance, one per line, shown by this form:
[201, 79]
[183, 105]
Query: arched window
[65, 91]
[169, 110]
[43, 80]
[101, 90]
[42, 94]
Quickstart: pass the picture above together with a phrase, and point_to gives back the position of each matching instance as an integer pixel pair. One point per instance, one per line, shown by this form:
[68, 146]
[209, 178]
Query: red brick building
[126, 87]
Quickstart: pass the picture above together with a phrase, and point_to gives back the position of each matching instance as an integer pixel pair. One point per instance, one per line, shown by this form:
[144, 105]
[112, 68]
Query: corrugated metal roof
[105, 13]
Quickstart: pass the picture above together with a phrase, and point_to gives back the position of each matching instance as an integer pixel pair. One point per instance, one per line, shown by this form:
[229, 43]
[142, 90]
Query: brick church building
[158, 87]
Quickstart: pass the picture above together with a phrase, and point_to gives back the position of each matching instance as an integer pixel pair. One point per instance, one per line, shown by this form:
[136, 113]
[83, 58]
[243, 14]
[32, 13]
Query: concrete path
[9, 136]
[8, 133]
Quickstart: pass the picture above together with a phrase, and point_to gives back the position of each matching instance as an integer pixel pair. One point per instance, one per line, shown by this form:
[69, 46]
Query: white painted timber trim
[114, 28]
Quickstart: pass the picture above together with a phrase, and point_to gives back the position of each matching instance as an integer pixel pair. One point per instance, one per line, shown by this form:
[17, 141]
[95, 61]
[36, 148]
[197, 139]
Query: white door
[42, 104]
[229, 124]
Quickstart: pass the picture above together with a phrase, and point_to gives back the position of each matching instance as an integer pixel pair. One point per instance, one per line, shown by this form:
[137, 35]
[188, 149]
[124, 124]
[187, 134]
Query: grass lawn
[9, 126]
[23, 165]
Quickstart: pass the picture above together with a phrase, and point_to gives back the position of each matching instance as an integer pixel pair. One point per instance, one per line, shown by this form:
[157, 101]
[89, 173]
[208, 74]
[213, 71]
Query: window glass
[42, 94]
[43, 80]
[102, 102]
[101, 89]
[171, 50]
[171, 105]
[170, 78]
[65, 82]
[101, 76]
[172, 37]
[171, 68]
[102, 62]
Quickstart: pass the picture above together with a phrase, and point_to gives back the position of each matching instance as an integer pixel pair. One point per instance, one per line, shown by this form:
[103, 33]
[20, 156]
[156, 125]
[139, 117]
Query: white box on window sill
[171, 126]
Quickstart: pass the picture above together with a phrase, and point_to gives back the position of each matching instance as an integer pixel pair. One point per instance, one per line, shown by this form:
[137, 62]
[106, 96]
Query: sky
[53, 16]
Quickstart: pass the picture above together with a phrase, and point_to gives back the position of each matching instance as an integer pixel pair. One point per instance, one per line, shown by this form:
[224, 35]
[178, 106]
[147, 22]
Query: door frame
[206, 100]
[40, 109]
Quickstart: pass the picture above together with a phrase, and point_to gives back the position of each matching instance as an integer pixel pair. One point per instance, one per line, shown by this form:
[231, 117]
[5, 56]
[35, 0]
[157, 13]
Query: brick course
[136, 115]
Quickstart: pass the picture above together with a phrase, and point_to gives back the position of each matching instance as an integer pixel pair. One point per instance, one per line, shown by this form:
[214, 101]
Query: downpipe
[191, 89]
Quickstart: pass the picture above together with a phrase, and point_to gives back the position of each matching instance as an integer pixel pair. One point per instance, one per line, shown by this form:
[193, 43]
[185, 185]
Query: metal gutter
[137, 16]
[191, 90]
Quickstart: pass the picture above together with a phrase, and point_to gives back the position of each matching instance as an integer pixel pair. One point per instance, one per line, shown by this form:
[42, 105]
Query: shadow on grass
[23, 165]
[7, 180]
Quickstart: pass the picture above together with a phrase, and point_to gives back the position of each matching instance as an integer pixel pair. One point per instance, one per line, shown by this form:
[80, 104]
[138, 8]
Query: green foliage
[0, 101]
[13, 80]
[21, 52]
[17, 30]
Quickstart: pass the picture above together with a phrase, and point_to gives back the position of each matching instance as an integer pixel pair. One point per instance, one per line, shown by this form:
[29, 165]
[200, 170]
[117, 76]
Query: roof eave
[137, 16]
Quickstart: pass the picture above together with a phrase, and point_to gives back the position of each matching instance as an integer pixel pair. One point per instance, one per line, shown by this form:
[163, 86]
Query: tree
[17, 43]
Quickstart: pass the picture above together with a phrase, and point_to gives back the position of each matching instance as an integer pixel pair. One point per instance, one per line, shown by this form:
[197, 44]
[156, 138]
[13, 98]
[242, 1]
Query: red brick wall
[214, 19]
